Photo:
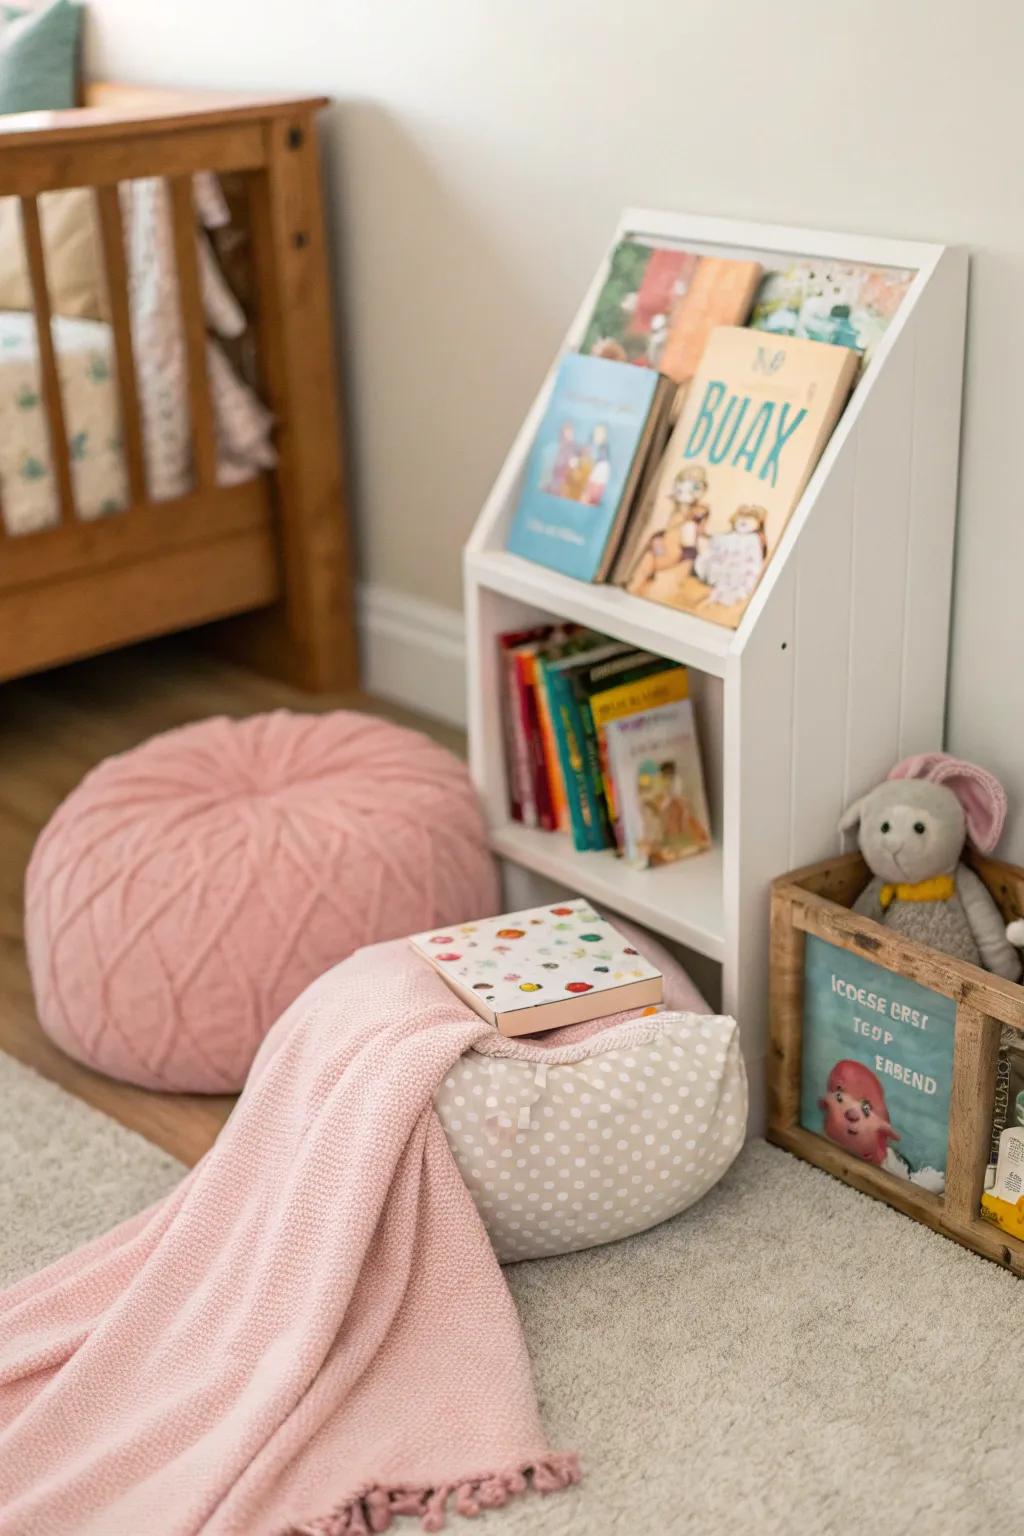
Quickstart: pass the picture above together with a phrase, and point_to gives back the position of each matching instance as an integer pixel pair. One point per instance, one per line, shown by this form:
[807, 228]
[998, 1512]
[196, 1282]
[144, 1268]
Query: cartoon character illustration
[607, 347]
[667, 822]
[731, 563]
[553, 481]
[828, 302]
[680, 827]
[578, 473]
[601, 468]
[855, 1112]
[656, 339]
[677, 545]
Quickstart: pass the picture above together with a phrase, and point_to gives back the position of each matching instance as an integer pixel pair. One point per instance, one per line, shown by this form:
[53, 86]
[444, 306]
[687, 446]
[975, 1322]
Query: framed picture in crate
[884, 1053]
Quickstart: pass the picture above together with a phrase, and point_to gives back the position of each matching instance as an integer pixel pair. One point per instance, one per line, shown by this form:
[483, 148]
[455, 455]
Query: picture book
[721, 292]
[1008, 1098]
[589, 822]
[757, 415]
[522, 803]
[563, 641]
[602, 424]
[644, 288]
[640, 682]
[659, 304]
[541, 969]
[877, 1064]
[659, 786]
[836, 302]
[536, 766]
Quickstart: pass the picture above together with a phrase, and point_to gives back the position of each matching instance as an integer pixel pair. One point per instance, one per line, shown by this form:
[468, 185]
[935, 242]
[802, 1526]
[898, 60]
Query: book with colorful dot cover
[541, 969]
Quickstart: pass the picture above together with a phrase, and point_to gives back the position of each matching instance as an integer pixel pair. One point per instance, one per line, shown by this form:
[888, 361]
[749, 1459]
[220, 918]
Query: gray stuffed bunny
[912, 828]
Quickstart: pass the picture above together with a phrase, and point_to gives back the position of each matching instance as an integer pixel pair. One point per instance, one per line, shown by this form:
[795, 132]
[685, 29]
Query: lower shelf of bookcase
[680, 901]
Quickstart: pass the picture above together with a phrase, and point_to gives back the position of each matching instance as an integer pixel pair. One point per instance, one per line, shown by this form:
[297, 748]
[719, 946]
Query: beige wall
[478, 157]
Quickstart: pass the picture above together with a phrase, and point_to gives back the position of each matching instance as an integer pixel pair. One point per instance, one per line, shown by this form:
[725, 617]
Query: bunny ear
[850, 819]
[924, 766]
[982, 797]
[980, 793]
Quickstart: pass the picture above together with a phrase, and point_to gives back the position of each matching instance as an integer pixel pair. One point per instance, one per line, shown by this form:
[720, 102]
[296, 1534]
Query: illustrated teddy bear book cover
[541, 969]
[877, 1065]
[756, 418]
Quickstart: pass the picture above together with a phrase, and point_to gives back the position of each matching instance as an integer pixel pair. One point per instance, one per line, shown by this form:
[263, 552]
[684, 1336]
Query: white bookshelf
[838, 667]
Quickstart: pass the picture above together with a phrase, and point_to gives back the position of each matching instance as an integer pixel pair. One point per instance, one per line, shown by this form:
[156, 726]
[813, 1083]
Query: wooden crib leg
[309, 638]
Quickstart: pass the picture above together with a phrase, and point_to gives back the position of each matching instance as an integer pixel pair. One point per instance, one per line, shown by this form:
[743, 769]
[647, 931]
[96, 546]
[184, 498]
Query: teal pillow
[39, 57]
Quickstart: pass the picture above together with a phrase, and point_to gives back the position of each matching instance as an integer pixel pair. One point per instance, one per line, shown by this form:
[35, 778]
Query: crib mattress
[27, 486]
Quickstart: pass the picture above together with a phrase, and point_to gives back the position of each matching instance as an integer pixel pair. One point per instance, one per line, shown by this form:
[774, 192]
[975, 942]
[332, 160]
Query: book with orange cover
[721, 292]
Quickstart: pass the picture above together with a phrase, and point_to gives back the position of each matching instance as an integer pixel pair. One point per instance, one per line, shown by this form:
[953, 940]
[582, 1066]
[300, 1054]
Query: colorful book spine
[522, 805]
[552, 758]
[526, 660]
[600, 821]
[569, 730]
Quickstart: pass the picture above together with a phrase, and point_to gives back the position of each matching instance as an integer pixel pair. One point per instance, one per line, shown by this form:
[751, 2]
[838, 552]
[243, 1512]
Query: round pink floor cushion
[186, 892]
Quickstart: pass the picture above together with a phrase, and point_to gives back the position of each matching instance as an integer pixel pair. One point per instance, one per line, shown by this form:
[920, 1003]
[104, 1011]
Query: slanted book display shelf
[838, 667]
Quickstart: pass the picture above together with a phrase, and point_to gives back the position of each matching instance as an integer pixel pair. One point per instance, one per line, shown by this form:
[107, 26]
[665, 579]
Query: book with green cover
[569, 737]
[584, 796]
[563, 641]
[592, 764]
[592, 679]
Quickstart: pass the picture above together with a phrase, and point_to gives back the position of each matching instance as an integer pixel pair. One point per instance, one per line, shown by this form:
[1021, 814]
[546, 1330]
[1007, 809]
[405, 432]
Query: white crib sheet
[86, 363]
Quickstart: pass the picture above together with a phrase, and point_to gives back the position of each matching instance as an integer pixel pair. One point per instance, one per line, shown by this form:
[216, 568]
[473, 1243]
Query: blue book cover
[877, 1064]
[582, 464]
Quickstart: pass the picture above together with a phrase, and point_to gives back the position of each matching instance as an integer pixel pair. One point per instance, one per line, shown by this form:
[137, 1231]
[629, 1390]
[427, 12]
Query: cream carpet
[788, 1358]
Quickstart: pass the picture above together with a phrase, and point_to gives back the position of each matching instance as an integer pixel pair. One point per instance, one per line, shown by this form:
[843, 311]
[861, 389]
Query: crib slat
[48, 372]
[194, 327]
[108, 208]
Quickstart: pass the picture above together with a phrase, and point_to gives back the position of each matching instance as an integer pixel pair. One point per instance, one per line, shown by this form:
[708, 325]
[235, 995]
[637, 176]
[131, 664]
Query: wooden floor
[53, 728]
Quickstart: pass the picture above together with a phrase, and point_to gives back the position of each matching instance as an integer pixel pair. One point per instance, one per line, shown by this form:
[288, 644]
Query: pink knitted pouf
[187, 891]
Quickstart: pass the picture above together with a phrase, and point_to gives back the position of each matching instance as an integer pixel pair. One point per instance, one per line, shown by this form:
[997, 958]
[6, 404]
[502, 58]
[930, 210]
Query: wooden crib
[272, 552]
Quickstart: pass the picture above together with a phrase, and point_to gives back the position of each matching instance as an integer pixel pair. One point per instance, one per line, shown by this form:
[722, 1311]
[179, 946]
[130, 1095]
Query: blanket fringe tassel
[375, 1508]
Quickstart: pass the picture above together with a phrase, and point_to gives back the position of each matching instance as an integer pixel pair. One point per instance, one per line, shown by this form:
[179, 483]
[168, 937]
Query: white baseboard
[413, 652]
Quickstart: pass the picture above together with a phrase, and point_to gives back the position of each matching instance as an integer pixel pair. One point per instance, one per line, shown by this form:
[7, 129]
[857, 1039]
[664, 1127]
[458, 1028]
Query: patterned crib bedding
[86, 365]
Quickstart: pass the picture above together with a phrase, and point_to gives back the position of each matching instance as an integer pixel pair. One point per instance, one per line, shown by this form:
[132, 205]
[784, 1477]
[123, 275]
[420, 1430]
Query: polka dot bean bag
[187, 891]
[598, 1131]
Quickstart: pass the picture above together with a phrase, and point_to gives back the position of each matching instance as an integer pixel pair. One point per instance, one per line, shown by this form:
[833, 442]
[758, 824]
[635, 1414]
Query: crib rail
[277, 543]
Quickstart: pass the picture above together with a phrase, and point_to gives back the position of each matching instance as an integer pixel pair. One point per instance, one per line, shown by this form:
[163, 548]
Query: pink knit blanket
[311, 1334]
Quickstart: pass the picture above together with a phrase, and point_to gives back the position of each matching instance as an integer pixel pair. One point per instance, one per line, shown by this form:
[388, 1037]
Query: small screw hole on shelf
[784, 646]
[294, 138]
[300, 239]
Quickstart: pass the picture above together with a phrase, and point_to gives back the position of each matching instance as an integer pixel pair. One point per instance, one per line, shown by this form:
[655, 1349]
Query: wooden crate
[816, 901]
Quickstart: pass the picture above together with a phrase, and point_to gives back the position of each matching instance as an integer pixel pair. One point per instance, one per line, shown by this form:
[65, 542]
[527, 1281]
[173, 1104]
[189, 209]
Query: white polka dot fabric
[566, 1147]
